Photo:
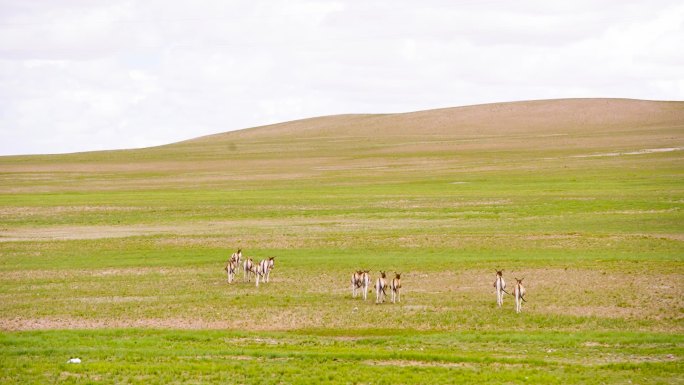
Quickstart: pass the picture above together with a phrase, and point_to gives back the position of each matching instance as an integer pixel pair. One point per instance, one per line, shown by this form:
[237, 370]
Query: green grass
[117, 257]
[369, 356]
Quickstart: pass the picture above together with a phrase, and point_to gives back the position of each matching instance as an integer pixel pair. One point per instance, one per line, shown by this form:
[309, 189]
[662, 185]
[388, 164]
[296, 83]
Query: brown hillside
[443, 138]
[528, 117]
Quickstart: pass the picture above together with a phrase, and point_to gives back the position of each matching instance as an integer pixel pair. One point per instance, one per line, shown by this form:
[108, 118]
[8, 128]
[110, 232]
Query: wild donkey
[396, 286]
[264, 268]
[237, 257]
[360, 280]
[248, 269]
[519, 294]
[230, 269]
[500, 286]
[380, 286]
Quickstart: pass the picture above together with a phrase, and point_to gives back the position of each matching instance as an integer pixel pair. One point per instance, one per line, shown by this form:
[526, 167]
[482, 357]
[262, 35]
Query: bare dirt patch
[25, 275]
[251, 340]
[280, 322]
[24, 211]
[592, 311]
[592, 344]
[422, 364]
[115, 299]
[639, 212]
[637, 152]
[80, 232]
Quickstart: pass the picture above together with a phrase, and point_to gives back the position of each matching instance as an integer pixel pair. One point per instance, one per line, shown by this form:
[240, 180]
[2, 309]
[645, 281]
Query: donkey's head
[383, 274]
[397, 275]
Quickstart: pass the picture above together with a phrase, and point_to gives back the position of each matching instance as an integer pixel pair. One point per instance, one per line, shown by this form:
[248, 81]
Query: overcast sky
[80, 75]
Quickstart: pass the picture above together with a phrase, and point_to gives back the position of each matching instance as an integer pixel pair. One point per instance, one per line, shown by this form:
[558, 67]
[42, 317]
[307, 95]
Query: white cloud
[81, 75]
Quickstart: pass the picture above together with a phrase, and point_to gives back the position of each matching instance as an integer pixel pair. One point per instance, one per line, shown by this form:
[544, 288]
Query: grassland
[116, 257]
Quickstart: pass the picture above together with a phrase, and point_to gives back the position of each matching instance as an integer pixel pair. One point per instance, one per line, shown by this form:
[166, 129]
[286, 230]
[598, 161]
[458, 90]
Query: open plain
[117, 257]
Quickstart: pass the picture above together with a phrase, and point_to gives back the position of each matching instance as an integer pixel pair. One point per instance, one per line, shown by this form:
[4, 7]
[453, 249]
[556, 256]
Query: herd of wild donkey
[360, 280]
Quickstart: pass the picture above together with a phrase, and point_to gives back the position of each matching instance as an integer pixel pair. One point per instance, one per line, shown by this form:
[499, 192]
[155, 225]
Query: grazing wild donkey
[519, 294]
[396, 286]
[248, 269]
[360, 280]
[230, 268]
[380, 286]
[264, 268]
[500, 286]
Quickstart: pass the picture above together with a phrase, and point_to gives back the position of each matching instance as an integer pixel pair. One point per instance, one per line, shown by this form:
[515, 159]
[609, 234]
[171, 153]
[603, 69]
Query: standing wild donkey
[500, 286]
[396, 286]
[248, 269]
[237, 256]
[264, 268]
[519, 294]
[360, 280]
[230, 269]
[380, 286]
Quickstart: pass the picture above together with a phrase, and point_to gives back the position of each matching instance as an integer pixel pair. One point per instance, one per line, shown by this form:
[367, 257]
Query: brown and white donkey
[263, 269]
[380, 286]
[500, 286]
[396, 287]
[519, 294]
[360, 280]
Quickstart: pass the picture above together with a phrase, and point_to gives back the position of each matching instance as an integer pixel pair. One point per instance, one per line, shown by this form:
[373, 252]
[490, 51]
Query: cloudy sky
[80, 75]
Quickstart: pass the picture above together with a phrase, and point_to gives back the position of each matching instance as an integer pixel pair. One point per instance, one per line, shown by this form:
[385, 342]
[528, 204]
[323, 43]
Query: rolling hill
[117, 257]
[403, 141]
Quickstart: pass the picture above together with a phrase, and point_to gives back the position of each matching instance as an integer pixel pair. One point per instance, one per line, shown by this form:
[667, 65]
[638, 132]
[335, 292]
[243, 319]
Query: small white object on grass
[74, 361]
